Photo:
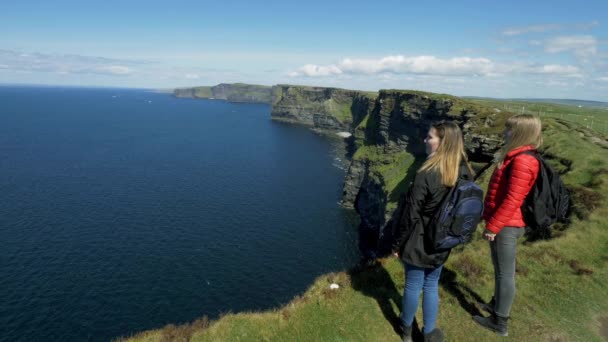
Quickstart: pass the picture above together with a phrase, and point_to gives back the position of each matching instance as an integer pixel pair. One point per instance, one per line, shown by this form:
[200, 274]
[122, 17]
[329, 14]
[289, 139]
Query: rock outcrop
[388, 129]
[318, 107]
[392, 147]
[232, 92]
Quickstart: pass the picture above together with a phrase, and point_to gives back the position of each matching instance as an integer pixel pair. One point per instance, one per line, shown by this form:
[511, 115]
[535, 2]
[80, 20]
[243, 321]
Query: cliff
[233, 92]
[388, 128]
[389, 147]
[318, 107]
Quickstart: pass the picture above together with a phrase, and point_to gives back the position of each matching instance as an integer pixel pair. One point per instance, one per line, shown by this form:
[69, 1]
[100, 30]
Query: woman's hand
[488, 235]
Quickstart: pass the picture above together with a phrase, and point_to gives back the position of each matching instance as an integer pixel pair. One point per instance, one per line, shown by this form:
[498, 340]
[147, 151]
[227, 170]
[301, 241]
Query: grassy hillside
[592, 115]
[299, 104]
[562, 292]
[233, 92]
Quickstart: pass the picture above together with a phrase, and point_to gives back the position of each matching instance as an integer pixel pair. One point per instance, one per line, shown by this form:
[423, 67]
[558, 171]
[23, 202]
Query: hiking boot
[489, 307]
[434, 336]
[494, 323]
[407, 334]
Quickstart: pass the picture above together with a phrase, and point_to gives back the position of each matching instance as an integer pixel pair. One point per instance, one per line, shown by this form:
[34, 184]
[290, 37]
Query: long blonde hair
[450, 153]
[526, 129]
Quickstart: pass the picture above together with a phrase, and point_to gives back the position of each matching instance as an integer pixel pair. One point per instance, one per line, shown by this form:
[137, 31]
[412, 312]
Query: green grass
[235, 92]
[242, 92]
[203, 92]
[591, 117]
[340, 110]
[320, 100]
[561, 282]
[388, 169]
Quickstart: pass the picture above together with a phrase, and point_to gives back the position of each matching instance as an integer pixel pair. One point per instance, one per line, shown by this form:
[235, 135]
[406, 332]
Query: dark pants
[503, 250]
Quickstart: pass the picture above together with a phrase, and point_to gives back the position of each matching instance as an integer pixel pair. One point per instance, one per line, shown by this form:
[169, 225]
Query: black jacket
[423, 199]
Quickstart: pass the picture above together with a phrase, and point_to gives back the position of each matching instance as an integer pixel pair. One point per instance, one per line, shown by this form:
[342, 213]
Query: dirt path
[604, 327]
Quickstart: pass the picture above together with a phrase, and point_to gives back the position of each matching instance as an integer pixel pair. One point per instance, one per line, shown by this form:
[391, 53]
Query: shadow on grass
[461, 292]
[374, 281]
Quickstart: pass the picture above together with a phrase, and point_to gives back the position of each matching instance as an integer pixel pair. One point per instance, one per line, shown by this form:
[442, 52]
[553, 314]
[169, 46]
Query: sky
[505, 49]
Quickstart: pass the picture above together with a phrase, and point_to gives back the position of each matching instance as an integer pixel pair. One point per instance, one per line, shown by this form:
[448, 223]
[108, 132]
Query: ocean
[124, 210]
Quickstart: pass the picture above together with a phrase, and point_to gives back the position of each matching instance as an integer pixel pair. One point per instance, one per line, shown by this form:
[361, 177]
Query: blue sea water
[125, 210]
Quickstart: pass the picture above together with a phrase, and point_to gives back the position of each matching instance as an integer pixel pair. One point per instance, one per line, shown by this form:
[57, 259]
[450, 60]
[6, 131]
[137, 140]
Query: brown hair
[450, 153]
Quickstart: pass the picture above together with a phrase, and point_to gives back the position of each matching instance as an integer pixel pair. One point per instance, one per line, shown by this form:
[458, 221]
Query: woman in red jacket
[513, 178]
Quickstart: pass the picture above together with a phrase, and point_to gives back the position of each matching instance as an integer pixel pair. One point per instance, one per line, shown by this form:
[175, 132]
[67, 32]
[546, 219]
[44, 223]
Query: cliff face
[235, 92]
[388, 129]
[391, 149]
[400, 120]
[184, 92]
[324, 108]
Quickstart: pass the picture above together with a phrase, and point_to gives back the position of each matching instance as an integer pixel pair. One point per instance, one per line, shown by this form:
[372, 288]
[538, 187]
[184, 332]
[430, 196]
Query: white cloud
[115, 70]
[586, 26]
[455, 80]
[539, 69]
[431, 65]
[65, 64]
[602, 79]
[428, 65]
[556, 69]
[581, 46]
[554, 83]
[312, 70]
[192, 76]
[542, 28]
[516, 31]
[505, 50]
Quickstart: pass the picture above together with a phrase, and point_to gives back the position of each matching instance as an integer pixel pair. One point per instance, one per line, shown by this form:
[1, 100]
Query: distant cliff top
[233, 92]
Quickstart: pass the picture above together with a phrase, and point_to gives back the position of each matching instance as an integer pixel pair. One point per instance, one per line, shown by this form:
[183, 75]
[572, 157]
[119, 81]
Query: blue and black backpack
[460, 212]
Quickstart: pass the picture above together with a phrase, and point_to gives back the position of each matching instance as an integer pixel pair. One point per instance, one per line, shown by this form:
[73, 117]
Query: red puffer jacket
[508, 190]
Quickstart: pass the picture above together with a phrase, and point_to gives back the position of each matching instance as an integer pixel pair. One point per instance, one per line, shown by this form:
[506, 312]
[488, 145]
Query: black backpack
[548, 201]
[458, 216]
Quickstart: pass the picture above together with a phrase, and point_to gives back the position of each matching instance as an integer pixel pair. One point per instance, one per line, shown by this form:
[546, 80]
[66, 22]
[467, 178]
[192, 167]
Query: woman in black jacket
[446, 162]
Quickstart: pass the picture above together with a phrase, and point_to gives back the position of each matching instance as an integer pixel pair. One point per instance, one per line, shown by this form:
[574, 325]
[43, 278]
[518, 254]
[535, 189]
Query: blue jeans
[417, 279]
